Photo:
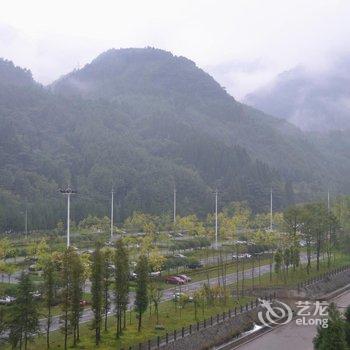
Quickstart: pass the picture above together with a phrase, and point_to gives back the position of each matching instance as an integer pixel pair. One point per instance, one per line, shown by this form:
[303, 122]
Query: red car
[174, 280]
[84, 303]
[185, 278]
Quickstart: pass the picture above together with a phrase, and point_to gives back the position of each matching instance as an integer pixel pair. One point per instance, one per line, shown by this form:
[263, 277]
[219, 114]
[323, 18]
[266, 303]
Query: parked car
[36, 295]
[132, 276]
[7, 300]
[177, 295]
[194, 265]
[174, 280]
[111, 267]
[185, 278]
[178, 255]
[241, 256]
[154, 274]
[34, 268]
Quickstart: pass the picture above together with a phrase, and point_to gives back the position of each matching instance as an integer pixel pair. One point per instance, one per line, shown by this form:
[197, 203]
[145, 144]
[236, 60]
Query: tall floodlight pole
[174, 207]
[112, 212]
[271, 208]
[26, 222]
[68, 192]
[328, 202]
[216, 219]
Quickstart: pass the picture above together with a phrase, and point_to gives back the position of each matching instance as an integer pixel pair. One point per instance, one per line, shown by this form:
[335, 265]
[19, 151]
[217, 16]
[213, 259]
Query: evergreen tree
[106, 282]
[278, 260]
[141, 300]
[121, 291]
[65, 295]
[24, 321]
[76, 291]
[347, 325]
[49, 292]
[97, 291]
[332, 337]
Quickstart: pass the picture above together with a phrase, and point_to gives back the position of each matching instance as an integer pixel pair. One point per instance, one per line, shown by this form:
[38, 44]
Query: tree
[76, 291]
[72, 291]
[65, 295]
[96, 291]
[5, 246]
[155, 295]
[191, 224]
[286, 259]
[278, 260]
[141, 300]
[24, 322]
[347, 325]
[106, 282]
[156, 260]
[332, 337]
[121, 291]
[49, 292]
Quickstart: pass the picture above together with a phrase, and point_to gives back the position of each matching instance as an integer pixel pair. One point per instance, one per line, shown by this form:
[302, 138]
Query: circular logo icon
[279, 313]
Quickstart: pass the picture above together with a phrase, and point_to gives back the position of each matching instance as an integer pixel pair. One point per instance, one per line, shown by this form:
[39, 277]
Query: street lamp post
[68, 192]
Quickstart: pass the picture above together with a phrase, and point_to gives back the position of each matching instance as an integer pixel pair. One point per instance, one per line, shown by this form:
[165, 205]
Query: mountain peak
[311, 99]
[146, 71]
[13, 75]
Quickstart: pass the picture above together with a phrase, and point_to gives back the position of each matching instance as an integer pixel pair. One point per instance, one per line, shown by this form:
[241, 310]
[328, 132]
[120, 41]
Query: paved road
[169, 293]
[291, 336]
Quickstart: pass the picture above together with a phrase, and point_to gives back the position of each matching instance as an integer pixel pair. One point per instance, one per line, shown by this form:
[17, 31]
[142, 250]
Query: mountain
[312, 100]
[139, 120]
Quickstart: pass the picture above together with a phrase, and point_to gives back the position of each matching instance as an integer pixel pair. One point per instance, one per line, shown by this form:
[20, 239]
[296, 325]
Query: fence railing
[322, 277]
[183, 332]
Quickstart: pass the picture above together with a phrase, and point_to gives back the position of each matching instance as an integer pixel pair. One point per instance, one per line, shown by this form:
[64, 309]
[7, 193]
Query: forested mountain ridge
[159, 88]
[313, 99]
[140, 120]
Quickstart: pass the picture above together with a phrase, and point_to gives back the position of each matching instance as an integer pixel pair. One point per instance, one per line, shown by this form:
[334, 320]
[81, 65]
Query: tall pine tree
[141, 300]
[96, 291]
[121, 291]
[24, 322]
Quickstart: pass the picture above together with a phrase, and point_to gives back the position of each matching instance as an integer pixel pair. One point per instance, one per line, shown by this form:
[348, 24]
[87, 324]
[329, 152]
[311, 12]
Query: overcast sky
[242, 43]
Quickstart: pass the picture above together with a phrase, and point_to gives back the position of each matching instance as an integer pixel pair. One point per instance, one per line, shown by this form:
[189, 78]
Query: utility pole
[112, 213]
[328, 202]
[26, 222]
[216, 219]
[174, 207]
[271, 214]
[68, 192]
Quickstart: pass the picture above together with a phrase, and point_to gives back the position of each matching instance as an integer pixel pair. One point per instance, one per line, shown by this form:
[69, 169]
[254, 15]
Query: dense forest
[140, 121]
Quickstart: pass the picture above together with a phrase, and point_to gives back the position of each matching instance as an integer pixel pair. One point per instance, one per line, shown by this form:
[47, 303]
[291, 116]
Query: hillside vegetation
[140, 120]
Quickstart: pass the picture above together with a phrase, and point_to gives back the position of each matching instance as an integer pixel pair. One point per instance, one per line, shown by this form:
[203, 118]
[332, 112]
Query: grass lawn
[170, 316]
[299, 275]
